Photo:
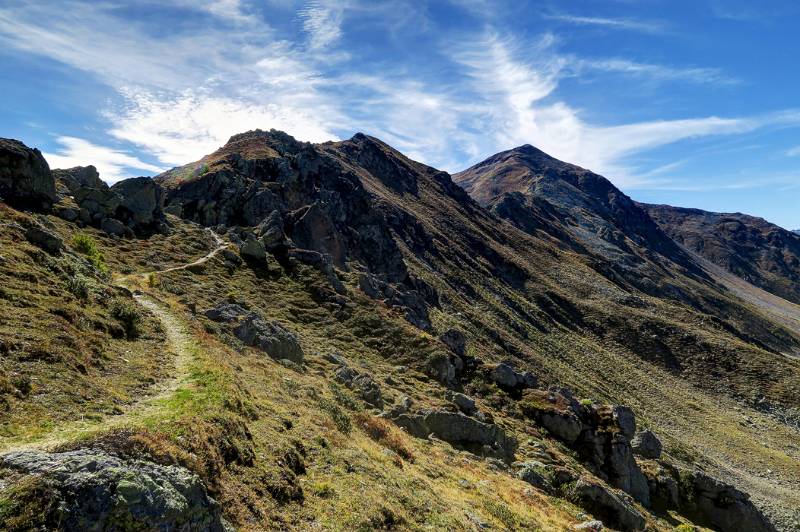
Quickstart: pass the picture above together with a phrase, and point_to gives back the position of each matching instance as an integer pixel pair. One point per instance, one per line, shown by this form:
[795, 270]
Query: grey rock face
[25, 177]
[363, 383]
[102, 492]
[507, 377]
[464, 403]
[536, 474]
[270, 337]
[626, 420]
[441, 368]
[647, 445]
[253, 249]
[589, 525]
[612, 507]
[455, 340]
[564, 426]
[41, 237]
[100, 202]
[142, 200]
[113, 227]
[271, 231]
[456, 428]
[79, 177]
[253, 330]
[724, 506]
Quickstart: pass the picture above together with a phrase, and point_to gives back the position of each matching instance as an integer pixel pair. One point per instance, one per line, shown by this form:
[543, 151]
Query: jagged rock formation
[759, 252]
[25, 178]
[306, 195]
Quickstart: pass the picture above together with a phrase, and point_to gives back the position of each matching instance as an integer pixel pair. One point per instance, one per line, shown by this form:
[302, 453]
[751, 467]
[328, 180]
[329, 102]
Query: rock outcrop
[253, 330]
[25, 177]
[97, 491]
[459, 429]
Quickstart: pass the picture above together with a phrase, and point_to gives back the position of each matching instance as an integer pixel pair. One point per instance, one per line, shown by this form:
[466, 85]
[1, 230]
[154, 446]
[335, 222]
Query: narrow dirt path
[179, 341]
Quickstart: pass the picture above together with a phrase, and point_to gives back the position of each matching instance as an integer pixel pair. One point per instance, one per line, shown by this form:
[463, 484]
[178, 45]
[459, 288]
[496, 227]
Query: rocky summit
[294, 336]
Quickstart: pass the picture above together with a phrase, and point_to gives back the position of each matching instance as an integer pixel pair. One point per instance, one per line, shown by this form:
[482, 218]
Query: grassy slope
[693, 409]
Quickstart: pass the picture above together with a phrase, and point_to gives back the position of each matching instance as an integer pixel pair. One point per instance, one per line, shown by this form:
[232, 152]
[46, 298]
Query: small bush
[79, 286]
[340, 419]
[323, 490]
[152, 280]
[503, 513]
[385, 433]
[129, 315]
[85, 244]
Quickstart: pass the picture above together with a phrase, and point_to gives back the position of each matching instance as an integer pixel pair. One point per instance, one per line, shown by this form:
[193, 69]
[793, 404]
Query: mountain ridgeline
[565, 340]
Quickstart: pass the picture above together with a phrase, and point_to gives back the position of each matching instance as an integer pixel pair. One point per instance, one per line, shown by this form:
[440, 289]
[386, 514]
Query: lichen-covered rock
[253, 249]
[41, 237]
[25, 177]
[456, 428]
[647, 445]
[611, 507]
[98, 491]
[271, 231]
[464, 403]
[253, 330]
[440, 367]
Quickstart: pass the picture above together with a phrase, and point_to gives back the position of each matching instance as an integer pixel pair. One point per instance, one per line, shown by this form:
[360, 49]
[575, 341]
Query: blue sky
[688, 103]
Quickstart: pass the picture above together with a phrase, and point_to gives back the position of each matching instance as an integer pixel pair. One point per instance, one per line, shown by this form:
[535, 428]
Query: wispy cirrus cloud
[609, 23]
[322, 21]
[711, 76]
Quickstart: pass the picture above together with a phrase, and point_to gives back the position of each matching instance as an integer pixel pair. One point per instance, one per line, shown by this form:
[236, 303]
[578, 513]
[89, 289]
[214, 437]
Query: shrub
[385, 433]
[340, 419]
[85, 244]
[128, 315]
[79, 286]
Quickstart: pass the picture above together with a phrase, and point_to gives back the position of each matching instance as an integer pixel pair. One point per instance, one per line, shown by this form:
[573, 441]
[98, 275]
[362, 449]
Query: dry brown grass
[385, 433]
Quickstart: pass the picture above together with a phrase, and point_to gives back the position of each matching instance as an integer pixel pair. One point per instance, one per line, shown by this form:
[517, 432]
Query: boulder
[440, 367]
[723, 506]
[563, 425]
[271, 231]
[507, 377]
[536, 474]
[611, 507]
[142, 201]
[455, 341]
[368, 389]
[231, 257]
[647, 445]
[79, 177]
[113, 227]
[41, 237]
[253, 330]
[100, 202]
[589, 525]
[253, 249]
[25, 177]
[270, 337]
[464, 403]
[98, 491]
[458, 429]
[225, 312]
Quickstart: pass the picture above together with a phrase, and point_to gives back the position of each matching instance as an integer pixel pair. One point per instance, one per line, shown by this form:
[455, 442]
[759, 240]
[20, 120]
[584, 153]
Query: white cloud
[111, 164]
[656, 72]
[322, 21]
[518, 97]
[181, 129]
[612, 23]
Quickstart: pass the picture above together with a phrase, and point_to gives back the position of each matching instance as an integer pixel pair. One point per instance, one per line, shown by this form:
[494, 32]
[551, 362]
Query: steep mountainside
[759, 252]
[352, 342]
